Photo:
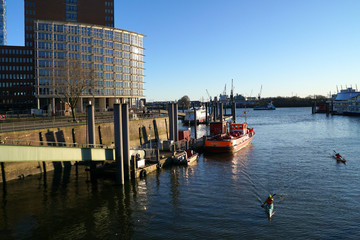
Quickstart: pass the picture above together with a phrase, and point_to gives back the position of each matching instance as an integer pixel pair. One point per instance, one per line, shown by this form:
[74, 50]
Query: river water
[218, 198]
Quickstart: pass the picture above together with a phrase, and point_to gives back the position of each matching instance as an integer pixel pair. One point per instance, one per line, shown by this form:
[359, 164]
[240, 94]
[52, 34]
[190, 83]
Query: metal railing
[18, 142]
[57, 122]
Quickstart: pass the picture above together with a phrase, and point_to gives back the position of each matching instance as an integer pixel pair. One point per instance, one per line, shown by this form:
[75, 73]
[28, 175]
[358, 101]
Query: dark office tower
[97, 12]
[16, 78]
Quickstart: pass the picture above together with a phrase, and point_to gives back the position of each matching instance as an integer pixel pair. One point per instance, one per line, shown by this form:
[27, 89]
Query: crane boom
[208, 94]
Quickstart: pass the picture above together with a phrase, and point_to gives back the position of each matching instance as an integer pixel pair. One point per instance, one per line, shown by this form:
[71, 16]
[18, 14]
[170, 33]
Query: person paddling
[338, 155]
[269, 202]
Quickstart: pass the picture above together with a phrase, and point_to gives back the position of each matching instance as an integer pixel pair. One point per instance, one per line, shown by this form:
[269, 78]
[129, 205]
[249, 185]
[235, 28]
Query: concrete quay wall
[64, 135]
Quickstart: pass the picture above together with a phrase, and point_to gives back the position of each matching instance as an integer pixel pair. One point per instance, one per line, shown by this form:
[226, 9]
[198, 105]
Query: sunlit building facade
[2, 22]
[113, 56]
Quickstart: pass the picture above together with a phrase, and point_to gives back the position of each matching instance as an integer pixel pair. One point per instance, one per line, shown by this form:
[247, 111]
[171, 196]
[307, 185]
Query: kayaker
[269, 201]
[338, 155]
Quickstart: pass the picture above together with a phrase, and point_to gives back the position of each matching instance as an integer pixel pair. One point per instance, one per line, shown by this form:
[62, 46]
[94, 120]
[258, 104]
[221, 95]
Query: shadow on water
[69, 208]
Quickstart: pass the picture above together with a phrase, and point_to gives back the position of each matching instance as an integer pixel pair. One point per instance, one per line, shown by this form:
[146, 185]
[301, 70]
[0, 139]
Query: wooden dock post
[171, 121]
[91, 130]
[100, 138]
[3, 174]
[140, 136]
[195, 122]
[126, 140]
[73, 133]
[43, 163]
[221, 114]
[176, 122]
[133, 167]
[118, 144]
[206, 113]
[233, 111]
[91, 123]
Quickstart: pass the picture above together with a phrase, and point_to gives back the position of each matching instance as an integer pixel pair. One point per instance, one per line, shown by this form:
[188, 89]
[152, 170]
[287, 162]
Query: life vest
[269, 201]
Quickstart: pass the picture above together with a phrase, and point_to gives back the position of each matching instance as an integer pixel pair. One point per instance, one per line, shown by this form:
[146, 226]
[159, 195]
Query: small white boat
[200, 115]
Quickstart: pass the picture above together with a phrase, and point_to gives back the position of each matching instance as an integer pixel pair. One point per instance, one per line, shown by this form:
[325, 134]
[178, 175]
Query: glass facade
[113, 59]
[2, 22]
[71, 10]
[16, 78]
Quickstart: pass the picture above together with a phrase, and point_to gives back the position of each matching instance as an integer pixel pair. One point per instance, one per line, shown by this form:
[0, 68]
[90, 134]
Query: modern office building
[112, 59]
[16, 78]
[98, 12]
[2, 22]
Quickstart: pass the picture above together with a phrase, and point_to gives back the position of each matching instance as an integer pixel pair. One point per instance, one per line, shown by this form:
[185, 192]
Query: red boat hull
[227, 146]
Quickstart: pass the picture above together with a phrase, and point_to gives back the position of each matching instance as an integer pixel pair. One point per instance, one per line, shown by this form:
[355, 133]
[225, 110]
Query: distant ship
[269, 106]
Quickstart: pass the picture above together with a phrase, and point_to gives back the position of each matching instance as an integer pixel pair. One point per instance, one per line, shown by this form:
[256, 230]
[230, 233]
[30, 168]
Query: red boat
[236, 136]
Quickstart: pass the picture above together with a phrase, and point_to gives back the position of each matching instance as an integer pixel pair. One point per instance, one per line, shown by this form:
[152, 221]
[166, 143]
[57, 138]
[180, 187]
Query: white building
[113, 57]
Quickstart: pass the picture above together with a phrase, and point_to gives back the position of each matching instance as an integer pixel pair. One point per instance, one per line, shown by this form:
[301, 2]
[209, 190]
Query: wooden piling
[156, 131]
[206, 113]
[176, 122]
[167, 132]
[126, 139]
[133, 167]
[3, 173]
[195, 122]
[140, 137]
[100, 138]
[118, 144]
[91, 130]
[233, 111]
[74, 144]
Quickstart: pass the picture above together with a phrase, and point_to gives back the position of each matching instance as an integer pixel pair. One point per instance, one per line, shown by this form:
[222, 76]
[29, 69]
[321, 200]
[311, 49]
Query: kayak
[339, 159]
[269, 209]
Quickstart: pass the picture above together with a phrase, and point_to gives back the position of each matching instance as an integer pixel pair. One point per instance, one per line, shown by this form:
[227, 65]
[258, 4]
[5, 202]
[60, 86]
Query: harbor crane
[208, 95]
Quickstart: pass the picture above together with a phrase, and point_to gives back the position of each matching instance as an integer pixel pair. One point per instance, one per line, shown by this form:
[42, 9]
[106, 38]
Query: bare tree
[185, 101]
[72, 79]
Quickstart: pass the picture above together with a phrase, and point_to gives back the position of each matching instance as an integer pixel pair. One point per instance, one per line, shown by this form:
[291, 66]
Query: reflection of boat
[269, 106]
[200, 115]
[238, 136]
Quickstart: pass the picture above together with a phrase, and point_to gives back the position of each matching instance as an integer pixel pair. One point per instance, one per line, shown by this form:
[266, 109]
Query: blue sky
[290, 47]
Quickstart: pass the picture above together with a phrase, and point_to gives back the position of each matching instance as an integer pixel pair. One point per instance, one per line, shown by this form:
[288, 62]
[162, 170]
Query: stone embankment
[73, 134]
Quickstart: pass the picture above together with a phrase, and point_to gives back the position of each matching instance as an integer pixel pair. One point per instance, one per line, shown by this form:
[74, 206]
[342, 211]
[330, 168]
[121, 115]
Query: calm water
[219, 198]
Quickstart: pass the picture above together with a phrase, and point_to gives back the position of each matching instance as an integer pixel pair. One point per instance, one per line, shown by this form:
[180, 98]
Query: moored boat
[187, 157]
[269, 106]
[236, 137]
